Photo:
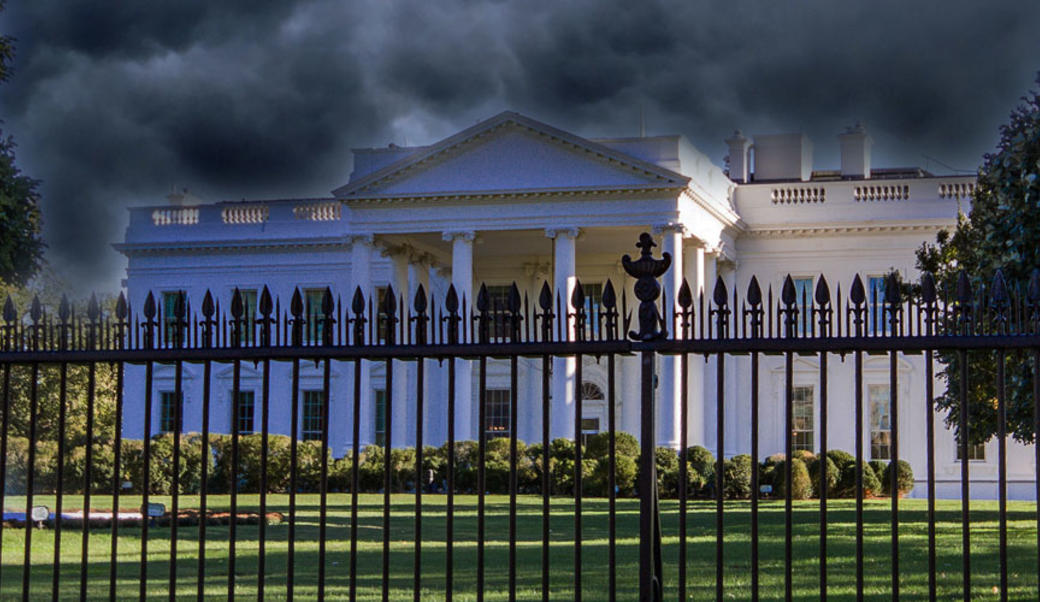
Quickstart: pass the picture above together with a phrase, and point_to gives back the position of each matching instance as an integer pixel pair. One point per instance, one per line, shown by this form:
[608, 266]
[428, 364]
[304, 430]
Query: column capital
[452, 235]
[669, 228]
[363, 239]
[573, 232]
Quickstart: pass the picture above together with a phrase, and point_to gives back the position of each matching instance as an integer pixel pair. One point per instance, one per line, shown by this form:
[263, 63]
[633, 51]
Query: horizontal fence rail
[255, 507]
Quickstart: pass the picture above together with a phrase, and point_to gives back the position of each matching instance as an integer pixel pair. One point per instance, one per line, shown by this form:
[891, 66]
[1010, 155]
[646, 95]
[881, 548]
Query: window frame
[236, 407]
[811, 403]
[308, 399]
[886, 417]
[497, 404]
[379, 417]
[165, 405]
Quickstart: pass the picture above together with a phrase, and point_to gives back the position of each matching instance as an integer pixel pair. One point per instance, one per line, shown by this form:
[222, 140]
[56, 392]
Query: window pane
[803, 288]
[244, 412]
[312, 306]
[976, 451]
[168, 422]
[802, 427]
[313, 402]
[497, 413]
[380, 417]
[169, 303]
[880, 422]
[248, 315]
[498, 305]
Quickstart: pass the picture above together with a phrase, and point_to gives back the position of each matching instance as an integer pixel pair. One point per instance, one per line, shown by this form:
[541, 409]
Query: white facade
[512, 199]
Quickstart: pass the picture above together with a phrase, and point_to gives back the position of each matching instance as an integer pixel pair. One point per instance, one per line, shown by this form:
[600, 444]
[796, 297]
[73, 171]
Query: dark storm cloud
[114, 103]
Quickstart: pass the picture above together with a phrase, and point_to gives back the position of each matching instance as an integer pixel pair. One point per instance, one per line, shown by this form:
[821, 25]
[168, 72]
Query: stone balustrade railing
[175, 216]
[797, 195]
[899, 192]
[324, 211]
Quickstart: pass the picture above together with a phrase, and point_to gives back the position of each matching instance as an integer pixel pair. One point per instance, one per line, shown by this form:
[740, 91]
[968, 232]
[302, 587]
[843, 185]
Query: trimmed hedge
[700, 468]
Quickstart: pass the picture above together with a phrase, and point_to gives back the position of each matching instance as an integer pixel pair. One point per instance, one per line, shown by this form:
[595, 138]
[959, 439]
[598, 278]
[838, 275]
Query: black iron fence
[66, 395]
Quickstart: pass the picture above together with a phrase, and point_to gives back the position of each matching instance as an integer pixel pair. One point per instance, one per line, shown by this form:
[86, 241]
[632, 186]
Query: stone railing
[958, 190]
[176, 216]
[245, 214]
[326, 211]
[797, 195]
[898, 192]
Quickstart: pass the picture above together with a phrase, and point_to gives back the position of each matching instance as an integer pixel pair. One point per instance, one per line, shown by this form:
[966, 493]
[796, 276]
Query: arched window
[593, 413]
[591, 391]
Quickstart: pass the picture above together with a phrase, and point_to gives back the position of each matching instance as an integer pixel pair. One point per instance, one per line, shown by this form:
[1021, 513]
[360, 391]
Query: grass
[1022, 552]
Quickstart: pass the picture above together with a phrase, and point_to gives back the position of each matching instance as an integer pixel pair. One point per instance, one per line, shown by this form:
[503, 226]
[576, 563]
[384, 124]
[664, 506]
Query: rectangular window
[244, 412]
[381, 323]
[880, 422]
[877, 320]
[315, 326]
[497, 413]
[169, 304]
[380, 417]
[803, 288]
[313, 412]
[498, 307]
[802, 428]
[248, 316]
[593, 306]
[169, 412]
[976, 452]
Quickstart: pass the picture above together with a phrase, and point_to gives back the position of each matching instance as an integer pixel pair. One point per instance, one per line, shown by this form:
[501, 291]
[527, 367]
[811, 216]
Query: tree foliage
[1001, 231]
[21, 247]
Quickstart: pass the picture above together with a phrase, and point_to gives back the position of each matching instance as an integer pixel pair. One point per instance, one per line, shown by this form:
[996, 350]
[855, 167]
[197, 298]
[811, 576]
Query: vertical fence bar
[683, 467]
[788, 460]
[117, 483]
[1036, 451]
[63, 408]
[146, 479]
[612, 484]
[294, 399]
[481, 475]
[178, 402]
[513, 407]
[419, 477]
[823, 473]
[207, 369]
[754, 478]
[5, 419]
[354, 477]
[1002, 470]
[546, 482]
[577, 477]
[858, 375]
[236, 382]
[30, 482]
[893, 484]
[265, 404]
[323, 488]
[449, 555]
[650, 586]
[388, 412]
[88, 482]
[962, 432]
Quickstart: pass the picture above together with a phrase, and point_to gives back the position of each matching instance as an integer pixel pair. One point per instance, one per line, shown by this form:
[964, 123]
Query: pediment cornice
[368, 186]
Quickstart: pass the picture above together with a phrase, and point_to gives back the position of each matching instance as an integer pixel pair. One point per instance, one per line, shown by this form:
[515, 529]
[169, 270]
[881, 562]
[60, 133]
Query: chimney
[783, 157]
[183, 198]
[739, 163]
[855, 152]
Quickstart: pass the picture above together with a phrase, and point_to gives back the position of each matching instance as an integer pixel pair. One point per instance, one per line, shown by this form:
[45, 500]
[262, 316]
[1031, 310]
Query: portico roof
[516, 153]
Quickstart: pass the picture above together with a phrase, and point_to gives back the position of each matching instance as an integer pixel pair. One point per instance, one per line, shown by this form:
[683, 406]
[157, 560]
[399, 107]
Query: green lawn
[701, 573]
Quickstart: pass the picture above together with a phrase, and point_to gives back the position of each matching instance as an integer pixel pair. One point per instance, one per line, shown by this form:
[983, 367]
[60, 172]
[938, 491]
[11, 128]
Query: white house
[513, 199]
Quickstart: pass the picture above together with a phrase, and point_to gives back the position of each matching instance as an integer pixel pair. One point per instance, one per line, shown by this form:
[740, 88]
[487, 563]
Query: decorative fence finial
[646, 270]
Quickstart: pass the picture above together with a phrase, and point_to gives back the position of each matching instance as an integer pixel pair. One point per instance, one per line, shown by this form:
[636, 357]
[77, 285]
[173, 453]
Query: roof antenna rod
[642, 120]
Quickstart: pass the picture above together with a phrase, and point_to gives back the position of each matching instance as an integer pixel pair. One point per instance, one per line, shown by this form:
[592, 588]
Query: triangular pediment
[511, 152]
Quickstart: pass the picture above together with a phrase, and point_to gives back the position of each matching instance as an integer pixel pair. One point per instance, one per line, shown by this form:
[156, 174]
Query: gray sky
[114, 103]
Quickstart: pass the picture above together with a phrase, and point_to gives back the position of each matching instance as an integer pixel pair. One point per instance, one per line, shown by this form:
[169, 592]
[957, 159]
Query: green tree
[21, 248]
[1002, 231]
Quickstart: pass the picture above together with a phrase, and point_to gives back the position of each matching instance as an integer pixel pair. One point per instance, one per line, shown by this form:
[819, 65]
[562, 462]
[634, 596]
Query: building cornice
[510, 195]
[231, 246]
[828, 229]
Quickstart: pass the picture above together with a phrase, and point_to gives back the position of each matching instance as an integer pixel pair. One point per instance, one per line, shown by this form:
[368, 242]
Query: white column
[669, 398]
[419, 275]
[564, 368]
[693, 268]
[361, 276]
[462, 280]
[735, 425]
[403, 430]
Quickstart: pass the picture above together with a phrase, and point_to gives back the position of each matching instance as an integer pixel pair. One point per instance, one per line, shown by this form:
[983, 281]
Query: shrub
[801, 484]
[878, 466]
[737, 477]
[847, 483]
[804, 455]
[700, 471]
[833, 475]
[598, 445]
[905, 478]
[625, 472]
[841, 458]
[667, 462]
